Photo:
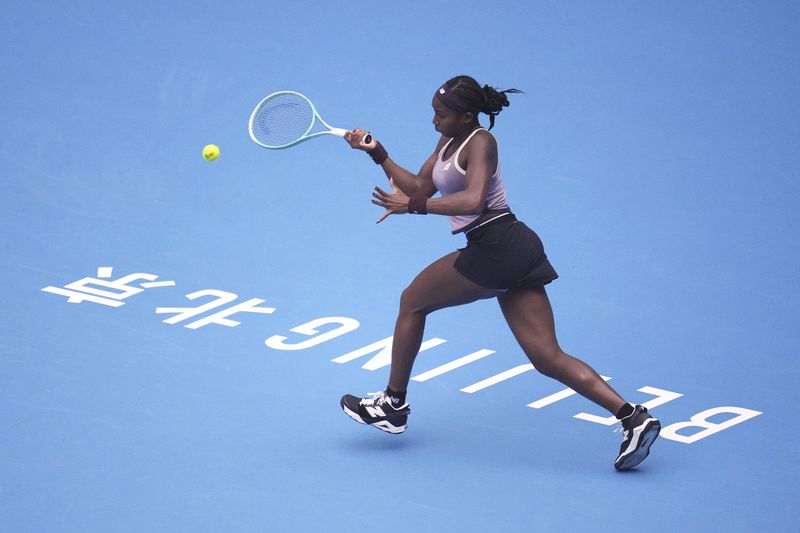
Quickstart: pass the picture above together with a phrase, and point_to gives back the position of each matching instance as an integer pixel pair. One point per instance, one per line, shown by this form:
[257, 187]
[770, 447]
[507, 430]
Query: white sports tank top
[449, 177]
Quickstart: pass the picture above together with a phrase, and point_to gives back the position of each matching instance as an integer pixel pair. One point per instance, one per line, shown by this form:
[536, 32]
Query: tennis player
[503, 259]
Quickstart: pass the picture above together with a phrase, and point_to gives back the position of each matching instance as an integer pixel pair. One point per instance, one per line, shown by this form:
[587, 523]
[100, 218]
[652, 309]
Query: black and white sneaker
[639, 432]
[380, 411]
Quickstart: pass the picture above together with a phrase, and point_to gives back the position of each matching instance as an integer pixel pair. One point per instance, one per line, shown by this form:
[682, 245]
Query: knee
[546, 361]
[411, 302]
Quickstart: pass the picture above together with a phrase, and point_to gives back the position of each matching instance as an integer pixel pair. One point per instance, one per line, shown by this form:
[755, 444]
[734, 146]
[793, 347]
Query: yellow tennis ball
[211, 152]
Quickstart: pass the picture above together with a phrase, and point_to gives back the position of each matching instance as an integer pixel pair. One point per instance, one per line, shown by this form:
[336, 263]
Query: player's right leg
[530, 317]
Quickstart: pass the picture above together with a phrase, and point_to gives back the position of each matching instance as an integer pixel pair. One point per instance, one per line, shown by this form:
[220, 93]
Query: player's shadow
[377, 444]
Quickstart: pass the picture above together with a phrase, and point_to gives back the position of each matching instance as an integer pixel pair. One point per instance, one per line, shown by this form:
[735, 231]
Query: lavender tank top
[449, 177]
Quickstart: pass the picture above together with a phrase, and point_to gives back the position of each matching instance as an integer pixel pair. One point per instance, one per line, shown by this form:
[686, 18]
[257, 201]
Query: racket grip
[369, 142]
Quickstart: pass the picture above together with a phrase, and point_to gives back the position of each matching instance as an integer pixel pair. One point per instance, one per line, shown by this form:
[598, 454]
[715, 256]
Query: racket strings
[282, 120]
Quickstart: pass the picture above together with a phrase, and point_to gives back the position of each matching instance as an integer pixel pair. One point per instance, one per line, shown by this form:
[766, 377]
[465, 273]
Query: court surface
[219, 310]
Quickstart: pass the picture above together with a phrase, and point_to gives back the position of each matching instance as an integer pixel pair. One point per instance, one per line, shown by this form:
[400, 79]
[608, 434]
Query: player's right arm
[406, 181]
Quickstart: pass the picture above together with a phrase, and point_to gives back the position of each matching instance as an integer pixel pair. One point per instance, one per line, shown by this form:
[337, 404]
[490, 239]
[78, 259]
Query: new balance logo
[375, 411]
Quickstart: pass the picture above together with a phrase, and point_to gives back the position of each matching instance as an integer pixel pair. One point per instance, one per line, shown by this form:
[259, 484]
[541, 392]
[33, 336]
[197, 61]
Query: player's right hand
[355, 138]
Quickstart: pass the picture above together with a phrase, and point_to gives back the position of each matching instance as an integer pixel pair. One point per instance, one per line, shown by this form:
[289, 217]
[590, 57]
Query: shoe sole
[383, 425]
[649, 434]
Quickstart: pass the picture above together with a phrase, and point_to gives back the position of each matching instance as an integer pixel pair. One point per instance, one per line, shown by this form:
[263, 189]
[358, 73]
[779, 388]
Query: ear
[469, 117]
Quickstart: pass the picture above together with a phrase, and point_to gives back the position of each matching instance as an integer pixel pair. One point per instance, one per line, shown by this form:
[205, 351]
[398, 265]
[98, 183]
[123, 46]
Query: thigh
[530, 317]
[440, 285]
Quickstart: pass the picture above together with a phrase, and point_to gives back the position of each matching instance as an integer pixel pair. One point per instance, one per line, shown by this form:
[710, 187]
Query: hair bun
[496, 100]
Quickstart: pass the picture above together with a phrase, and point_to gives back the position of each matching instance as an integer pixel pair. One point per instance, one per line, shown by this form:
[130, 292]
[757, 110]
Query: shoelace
[378, 398]
[621, 428]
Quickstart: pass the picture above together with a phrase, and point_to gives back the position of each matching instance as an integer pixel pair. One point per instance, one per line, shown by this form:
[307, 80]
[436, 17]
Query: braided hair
[484, 99]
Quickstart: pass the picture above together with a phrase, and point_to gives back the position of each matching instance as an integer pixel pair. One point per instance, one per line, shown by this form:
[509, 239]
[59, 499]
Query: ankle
[625, 411]
[397, 397]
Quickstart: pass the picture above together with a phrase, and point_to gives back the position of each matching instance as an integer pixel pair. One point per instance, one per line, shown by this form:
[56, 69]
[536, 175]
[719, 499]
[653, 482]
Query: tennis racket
[287, 118]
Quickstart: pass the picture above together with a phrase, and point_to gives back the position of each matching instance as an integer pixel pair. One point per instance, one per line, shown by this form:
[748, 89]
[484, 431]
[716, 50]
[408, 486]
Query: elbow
[422, 187]
[427, 191]
[476, 207]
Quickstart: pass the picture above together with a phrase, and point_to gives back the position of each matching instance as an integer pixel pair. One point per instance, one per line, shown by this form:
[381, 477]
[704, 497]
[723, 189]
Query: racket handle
[339, 132]
[369, 142]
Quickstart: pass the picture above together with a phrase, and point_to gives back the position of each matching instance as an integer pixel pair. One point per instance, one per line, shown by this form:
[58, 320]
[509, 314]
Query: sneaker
[639, 432]
[379, 411]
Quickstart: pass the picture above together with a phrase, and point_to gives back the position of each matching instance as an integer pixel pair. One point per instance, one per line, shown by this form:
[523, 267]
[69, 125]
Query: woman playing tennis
[503, 259]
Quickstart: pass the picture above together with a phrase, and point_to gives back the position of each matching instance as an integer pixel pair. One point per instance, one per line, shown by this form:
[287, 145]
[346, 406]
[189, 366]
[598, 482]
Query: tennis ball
[211, 152]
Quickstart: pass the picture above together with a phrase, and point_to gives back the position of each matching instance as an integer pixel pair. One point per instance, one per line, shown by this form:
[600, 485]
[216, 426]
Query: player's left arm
[481, 165]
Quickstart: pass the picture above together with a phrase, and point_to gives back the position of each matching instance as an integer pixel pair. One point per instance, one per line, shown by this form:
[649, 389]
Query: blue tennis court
[177, 333]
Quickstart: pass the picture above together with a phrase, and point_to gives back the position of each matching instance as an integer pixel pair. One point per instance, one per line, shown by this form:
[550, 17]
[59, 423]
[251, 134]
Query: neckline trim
[458, 150]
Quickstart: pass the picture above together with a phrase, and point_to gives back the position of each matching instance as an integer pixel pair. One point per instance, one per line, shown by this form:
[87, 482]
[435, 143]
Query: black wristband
[418, 204]
[378, 154]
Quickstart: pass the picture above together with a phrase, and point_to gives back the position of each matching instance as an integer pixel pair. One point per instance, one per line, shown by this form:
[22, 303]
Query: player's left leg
[438, 286]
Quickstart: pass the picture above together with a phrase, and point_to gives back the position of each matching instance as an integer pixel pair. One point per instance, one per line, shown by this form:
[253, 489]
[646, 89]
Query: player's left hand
[395, 203]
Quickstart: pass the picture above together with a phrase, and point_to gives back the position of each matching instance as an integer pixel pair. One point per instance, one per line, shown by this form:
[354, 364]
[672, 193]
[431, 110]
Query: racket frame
[339, 132]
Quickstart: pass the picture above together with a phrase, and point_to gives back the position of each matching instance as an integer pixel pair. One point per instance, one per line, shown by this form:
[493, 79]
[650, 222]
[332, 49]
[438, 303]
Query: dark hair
[485, 99]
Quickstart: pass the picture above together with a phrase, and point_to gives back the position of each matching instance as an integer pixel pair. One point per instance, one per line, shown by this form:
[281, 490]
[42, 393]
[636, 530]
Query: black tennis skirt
[505, 254]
